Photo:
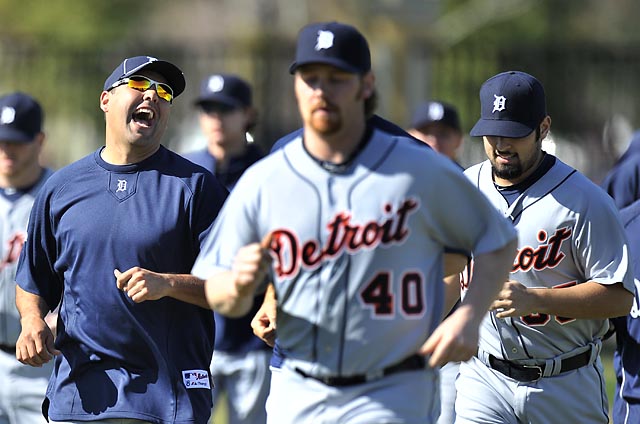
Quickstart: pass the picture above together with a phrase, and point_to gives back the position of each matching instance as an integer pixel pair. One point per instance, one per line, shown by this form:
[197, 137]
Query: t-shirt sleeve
[233, 228]
[599, 229]
[36, 272]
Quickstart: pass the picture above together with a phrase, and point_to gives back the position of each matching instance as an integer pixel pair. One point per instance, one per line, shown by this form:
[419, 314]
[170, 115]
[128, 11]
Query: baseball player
[622, 182]
[626, 403]
[240, 363]
[538, 358]
[355, 246]
[437, 124]
[114, 236]
[21, 176]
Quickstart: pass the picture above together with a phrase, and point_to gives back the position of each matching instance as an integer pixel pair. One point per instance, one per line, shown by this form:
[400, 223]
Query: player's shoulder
[476, 172]
[577, 180]
[393, 131]
[630, 215]
[283, 141]
[72, 171]
[268, 173]
[624, 169]
[475, 169]
[580, 192]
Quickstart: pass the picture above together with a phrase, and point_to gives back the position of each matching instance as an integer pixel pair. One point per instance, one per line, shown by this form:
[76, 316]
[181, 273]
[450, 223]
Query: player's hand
[454, 340]
[35, 343]
[514, 300]
[263, 323]
[250, 266]
[141, 284]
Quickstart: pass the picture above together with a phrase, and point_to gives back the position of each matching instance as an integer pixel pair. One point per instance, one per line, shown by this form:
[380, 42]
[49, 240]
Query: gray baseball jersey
[358, 254]
[21, 398]
[14, 216]
[569, 233]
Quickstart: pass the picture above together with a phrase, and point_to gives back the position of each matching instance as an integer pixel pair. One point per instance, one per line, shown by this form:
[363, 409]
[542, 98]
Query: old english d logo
[123, 186]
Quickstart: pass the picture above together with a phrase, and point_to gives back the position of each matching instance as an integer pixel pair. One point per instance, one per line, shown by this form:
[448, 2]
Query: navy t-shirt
[121, 359]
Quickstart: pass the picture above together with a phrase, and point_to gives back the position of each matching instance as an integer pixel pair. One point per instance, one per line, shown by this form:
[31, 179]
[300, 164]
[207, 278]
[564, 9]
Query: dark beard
[508, 172]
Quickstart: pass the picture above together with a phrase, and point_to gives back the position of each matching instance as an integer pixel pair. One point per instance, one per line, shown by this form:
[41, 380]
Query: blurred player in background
[114, 235]
[626, 359]
[538, 359]
[21, 140]
[622, 182]
[226, 116]
[358, 241]
[438, 124]
[240, 364]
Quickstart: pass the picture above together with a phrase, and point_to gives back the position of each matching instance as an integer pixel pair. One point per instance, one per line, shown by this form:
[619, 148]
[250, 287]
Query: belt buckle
[538, 368]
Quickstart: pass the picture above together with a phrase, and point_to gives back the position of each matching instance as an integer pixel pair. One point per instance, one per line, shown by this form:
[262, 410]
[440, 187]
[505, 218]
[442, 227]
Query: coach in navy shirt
[114, 236]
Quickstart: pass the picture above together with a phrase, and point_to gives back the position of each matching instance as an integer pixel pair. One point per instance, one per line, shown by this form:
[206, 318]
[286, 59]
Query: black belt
[8, 348]
[414, 362]
[528, 373]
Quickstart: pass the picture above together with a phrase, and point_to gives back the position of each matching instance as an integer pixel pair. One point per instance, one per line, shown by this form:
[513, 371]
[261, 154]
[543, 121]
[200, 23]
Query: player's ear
[39, 138]
[545, 127]
[104, 101]
[368, 85]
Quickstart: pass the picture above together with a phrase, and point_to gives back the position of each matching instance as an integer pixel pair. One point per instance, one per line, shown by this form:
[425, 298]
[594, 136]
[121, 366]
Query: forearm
[490, 271]
[223, 297]
[187, 288]
[270, 296]
[589, 300]
[30, 305]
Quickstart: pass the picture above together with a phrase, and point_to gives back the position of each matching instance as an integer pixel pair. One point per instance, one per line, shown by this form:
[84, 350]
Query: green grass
[609, 374]
[220, 414]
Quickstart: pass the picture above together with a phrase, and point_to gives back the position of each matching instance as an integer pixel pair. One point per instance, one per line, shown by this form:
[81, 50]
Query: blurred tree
[70, 23]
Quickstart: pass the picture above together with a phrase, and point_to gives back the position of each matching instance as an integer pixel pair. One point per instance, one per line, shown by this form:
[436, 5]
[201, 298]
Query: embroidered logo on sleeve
[196, 379]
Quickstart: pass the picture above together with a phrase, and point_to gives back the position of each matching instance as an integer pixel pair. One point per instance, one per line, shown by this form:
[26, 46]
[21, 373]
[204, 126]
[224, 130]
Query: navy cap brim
[14, 135]
[340, 64]
[500, 128]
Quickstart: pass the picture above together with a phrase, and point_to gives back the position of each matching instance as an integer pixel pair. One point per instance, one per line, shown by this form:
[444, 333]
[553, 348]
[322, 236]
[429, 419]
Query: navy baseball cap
[332, 43]
[435, 111]
[131, 65]
[227, 89]
[20, 118]
[512, 105]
